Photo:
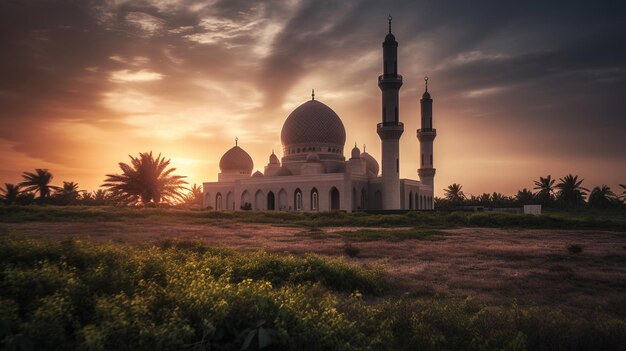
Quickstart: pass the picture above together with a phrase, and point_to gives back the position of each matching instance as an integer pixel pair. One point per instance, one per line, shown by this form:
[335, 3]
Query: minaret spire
[426, 135]
[390, 129]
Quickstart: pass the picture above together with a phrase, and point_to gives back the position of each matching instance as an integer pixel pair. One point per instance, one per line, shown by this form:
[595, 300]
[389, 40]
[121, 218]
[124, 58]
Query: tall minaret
[426, 135]
[390, 129]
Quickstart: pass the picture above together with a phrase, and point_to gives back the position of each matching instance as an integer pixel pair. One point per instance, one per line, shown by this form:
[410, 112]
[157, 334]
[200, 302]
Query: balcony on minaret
[391, 80]
[390, 130]
[426, 134]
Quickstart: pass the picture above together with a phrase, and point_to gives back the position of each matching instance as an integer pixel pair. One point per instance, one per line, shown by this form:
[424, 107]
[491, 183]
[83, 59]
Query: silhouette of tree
[602, 197]
[571, 192]
[147, 180]
[68, 193]
[545, 187]
[10, 193]
[39, 182]
[623, 195]
[525, 197]
[194, 196]
[453, 193]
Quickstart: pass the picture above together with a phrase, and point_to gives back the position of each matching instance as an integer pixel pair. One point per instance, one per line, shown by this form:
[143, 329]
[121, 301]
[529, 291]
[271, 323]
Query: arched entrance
[271, 202]
[230, 201]
[355, 203]
[218, 201]
[282, 200]
[258, 200]
[334, 199]
[246, 201]
[363, 200]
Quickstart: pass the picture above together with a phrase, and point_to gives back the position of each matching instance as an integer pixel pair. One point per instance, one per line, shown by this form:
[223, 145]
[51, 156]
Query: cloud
[536, 81]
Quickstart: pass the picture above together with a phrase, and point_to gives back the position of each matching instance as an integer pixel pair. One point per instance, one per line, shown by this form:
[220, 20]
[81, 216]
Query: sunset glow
[517, 94]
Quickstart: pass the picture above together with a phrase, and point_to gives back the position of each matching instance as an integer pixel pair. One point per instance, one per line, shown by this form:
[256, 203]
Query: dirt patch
[493, 265]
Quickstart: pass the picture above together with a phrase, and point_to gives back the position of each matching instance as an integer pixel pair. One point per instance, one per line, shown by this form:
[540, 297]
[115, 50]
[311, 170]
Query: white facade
[313, 174]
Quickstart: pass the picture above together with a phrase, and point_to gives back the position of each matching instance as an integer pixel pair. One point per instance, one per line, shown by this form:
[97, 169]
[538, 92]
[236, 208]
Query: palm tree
[38, 182]
[69, 193]
[602, 197]
[571, 192]
[454, 193]
[545, 187]
[10, 193]
[147, 180]
[194, 196]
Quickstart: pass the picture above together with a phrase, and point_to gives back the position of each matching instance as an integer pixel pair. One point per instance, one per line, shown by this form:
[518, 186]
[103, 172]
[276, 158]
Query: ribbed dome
[312, 123]
[371, 163]
[390, 37]
[236, 160]
[426, 95]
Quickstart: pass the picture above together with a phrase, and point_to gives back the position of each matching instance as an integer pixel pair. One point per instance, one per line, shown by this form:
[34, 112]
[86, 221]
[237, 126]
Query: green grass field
[582, 219]
[145, 294]
[184, 295]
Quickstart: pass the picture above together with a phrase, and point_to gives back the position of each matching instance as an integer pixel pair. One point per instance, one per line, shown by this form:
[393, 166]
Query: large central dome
[313, 124]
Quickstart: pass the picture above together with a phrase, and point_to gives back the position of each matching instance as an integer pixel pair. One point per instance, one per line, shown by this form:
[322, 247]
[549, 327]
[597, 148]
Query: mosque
[313, 174]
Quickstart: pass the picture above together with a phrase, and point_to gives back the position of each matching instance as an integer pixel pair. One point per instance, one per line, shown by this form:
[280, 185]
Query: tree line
[567, 193]
[147, 180]
[150, 181]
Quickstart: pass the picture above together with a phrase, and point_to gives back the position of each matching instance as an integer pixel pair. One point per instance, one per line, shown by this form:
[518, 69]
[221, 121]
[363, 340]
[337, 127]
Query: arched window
[297, 200]
[410, 200]
[363, 200]
[271, 204]
[355, 205]
[218, 201]
[315, 200]
[334, 199]
[431, 159]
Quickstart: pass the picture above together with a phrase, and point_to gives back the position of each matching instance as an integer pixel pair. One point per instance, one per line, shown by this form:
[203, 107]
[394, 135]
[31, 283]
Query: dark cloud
[551, 75]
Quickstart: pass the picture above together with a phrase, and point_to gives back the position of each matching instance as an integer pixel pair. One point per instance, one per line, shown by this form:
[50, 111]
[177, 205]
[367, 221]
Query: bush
[185, 295]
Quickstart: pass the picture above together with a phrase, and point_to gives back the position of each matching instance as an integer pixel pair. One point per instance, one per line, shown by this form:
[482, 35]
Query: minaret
[390, 129]
[426, 135]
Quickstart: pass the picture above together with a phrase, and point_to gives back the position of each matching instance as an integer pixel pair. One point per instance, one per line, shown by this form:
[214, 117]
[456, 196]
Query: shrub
[74, 295]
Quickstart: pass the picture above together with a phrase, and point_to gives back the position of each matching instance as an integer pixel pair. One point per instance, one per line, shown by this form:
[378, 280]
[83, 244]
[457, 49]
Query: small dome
[284, 171]
[426, 95]
[236, 160]
[313, 123]
[390, 37]
[257, 174]
[356, 153]
[371, 163]
[312, 157]
[274, 159]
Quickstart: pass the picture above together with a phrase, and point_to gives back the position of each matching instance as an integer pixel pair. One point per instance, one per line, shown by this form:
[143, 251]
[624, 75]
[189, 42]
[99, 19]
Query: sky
[521, 89]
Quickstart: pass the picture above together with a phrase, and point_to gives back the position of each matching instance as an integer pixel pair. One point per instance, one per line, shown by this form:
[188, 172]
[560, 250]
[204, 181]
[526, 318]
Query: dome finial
[312, 94]
[236, 141]
[363, 147]
[426, 82]
[389, 19]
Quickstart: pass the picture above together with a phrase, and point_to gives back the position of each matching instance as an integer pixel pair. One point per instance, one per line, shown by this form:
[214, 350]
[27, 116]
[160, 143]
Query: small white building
[314, 175]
